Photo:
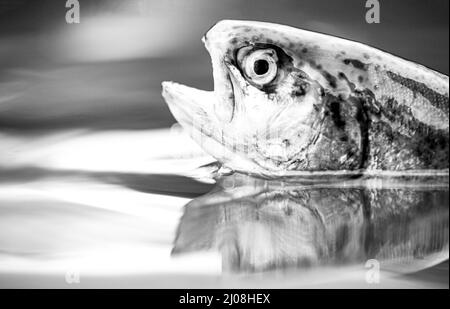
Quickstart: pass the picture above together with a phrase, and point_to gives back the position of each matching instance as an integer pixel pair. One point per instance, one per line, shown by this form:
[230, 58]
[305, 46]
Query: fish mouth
[194, 110]
[204, 113]
[191, 107]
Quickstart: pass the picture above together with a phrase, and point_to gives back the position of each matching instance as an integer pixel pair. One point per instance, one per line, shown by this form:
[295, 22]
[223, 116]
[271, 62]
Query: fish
[260, 225]
[288, 102]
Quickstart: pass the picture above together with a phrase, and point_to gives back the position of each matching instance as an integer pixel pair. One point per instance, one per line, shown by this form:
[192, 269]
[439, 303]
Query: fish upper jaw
[186, 100]
[194, 110]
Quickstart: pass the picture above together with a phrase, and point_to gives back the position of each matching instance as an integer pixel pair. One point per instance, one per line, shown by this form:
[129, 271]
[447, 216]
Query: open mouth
[191, 107]
[199, 113]
[194, 110]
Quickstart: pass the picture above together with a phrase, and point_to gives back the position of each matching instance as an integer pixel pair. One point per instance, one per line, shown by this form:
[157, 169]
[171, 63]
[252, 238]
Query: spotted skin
[334, 105]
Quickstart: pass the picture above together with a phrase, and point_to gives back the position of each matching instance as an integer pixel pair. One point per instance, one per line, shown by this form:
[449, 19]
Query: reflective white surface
[108, 226]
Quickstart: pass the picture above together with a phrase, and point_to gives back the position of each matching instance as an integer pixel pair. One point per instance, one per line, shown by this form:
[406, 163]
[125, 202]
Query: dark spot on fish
[269, 41]
[368, 101]
[234, 41]
[360, 78]
[321, 92]
[356, 63]
[436, 99]
[286, 143]
[366, 56]
[351, 85]
[332, 81]
[304, 50]
[335, 111]
[300, 73]
[297, 92]
[300, 88]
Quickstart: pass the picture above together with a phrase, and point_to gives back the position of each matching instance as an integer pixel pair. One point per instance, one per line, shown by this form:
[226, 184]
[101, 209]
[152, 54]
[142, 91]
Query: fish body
[288, 101]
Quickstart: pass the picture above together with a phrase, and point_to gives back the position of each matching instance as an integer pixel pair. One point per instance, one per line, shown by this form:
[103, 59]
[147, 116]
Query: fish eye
[260, 66]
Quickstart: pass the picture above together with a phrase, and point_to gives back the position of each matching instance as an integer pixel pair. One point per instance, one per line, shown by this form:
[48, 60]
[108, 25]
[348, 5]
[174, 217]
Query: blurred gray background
[105, 72]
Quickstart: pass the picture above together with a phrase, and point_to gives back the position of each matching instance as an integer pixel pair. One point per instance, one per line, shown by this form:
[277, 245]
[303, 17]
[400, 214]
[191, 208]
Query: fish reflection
[260, 225]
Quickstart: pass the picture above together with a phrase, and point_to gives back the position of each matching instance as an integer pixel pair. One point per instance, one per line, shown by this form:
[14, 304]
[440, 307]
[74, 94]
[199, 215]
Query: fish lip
[189, 106]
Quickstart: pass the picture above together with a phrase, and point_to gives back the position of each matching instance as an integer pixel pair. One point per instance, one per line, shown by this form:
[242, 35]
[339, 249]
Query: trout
[288, 101]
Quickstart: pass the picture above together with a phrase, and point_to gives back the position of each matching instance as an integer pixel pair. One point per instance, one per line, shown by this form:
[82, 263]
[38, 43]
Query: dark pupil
[261, 67]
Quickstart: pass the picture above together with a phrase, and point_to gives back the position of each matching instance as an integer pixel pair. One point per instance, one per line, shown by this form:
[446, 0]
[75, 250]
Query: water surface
[101, 227]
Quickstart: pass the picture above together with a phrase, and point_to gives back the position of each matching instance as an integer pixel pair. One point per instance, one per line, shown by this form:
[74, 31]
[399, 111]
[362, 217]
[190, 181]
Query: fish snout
[190, 106]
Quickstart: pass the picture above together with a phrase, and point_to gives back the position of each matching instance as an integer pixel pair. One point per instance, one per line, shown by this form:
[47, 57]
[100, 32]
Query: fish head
[273, 109]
